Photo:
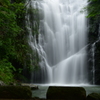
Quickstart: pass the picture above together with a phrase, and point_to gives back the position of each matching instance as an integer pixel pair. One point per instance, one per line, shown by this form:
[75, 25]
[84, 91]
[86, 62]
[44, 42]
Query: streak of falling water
[62, 41]
[93, 59]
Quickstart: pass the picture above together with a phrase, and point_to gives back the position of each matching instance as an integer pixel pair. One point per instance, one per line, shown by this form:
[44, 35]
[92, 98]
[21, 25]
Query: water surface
[41, 92]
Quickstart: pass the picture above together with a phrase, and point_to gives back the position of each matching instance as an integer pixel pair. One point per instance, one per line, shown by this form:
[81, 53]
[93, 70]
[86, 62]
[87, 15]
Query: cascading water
[61, 42]
[93, 59]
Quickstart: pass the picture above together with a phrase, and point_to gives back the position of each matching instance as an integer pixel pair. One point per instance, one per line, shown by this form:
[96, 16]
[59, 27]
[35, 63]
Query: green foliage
[93, 8]
[12, 38]
[10, 30]
[6, 71]
[4, 3]
[19, 10]
[19, 1]
[14, 49]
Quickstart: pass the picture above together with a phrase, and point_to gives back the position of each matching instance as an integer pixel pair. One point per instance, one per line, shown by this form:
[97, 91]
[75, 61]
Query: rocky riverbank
[53, 93]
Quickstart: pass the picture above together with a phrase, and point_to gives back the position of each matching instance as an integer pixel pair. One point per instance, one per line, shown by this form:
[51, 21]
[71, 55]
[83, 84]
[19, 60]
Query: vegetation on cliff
[93, 8]
[13, 44]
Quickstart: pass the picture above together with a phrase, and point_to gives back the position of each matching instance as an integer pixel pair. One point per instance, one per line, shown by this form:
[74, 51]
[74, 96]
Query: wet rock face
[67, 93]
[97, 63]
[93, 37]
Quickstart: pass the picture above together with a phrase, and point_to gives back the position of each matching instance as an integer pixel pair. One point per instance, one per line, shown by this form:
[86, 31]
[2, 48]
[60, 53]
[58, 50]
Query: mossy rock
[93, 96]
[15, 92]
[67, 93]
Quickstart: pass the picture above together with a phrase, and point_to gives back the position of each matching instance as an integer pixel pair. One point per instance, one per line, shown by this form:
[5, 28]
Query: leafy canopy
[93, 8]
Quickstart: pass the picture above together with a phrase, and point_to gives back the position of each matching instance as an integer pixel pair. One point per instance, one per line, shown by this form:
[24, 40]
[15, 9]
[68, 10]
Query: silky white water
[61, 42]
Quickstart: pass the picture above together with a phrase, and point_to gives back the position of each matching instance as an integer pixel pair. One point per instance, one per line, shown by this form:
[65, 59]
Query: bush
[15, 92]
[6, 71]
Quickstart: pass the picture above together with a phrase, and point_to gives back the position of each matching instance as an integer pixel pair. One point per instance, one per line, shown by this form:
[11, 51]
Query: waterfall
[61, 42]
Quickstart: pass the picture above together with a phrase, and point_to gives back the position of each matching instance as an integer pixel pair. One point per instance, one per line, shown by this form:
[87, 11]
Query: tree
[12, 38]
[93, 8]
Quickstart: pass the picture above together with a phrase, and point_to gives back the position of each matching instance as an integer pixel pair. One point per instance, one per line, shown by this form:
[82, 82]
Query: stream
[41, 92]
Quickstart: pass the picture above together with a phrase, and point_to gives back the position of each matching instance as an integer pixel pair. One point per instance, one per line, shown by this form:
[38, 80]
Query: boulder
[15, 92]
[93, 96]
[32, 86]
[2, 83]
[67, 93]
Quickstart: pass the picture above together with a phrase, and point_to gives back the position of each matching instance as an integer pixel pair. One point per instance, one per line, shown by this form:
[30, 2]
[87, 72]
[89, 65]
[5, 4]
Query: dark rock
[93, 96]
[32, 86]
[97, 63]
[2, 83]
[15, 92]
[12, 84]
[68, 93]
[93, 37]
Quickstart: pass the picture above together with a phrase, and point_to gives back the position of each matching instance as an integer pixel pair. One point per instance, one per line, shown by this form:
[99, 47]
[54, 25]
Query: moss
[68, 93]
[15, 92]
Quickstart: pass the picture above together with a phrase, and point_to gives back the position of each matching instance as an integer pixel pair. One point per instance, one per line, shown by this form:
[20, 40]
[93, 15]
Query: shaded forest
[13, 40]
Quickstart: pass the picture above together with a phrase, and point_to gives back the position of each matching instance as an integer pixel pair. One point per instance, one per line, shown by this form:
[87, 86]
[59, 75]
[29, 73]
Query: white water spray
[62, 41]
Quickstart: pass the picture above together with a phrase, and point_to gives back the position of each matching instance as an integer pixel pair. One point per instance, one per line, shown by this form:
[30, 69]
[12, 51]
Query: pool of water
[41, 92]
[92, 89]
